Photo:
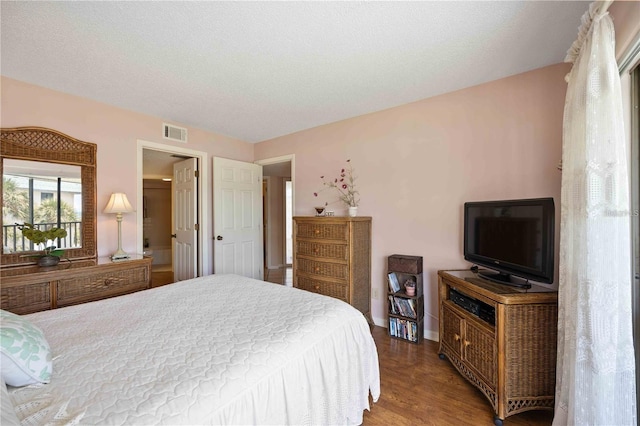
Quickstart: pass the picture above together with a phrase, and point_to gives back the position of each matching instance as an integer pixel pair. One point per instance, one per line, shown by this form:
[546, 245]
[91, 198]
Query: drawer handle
[456, 337]
[316, 251]
[108, 281]
[317, 269]
[466, 343]
[317, 287]
[317, 231]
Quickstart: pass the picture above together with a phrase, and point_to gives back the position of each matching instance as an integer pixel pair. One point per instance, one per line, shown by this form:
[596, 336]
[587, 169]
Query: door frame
[204, 234]
[284, 237]
[266, 220]
[275, 160]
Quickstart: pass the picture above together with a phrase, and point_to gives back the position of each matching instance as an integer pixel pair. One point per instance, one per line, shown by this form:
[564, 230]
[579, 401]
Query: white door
[237, 217]
[185, 219]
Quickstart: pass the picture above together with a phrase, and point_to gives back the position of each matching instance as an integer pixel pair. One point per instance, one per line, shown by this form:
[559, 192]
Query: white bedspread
[221, 349]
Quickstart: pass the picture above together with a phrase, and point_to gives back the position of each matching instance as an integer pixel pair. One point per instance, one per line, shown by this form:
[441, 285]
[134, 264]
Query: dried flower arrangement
[345, 185]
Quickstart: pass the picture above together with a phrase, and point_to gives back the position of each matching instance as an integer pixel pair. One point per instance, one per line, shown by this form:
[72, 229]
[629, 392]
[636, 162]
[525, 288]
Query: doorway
[278, 175]
[155, 220]
[156, 224]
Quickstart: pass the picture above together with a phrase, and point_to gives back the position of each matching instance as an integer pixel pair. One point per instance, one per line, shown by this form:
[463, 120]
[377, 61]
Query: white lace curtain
[595, 368]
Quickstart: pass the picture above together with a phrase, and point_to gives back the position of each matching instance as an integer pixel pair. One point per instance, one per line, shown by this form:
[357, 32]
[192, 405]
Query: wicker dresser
[28, 289]
[501, 339]
[332, 256]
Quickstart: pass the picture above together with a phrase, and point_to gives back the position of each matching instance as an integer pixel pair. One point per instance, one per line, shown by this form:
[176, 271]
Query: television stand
[511, 361]
[501, 278]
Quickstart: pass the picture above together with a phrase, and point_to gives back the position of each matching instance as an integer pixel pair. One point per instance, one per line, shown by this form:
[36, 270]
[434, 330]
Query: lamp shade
[118, 203]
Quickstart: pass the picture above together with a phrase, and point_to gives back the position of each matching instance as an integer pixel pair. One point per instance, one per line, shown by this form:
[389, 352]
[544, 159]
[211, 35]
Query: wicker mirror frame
[50, 146]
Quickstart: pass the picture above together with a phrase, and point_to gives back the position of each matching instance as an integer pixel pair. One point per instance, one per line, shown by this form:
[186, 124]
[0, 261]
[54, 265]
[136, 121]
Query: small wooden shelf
[405, 312]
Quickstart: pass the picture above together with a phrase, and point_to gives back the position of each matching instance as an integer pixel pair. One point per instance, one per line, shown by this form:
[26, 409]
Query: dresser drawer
[101, 284]
[26, 299]
[332, 289]
[329, 251]
[323, 269]
[324, 231]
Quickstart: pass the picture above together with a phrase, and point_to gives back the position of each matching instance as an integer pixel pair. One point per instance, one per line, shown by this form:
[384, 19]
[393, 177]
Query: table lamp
[119, 204]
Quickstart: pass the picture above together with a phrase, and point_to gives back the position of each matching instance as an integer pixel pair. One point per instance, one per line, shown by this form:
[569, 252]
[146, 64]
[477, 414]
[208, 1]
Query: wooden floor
[418, 388]
[161, 275]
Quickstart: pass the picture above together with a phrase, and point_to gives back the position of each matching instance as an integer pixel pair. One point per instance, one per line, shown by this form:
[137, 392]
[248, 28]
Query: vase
[410, 289]
[353, 211]
[48, 261]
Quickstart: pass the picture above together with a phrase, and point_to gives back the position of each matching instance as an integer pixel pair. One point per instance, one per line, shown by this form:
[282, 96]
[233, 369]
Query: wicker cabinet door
[451, 330]
[480, 352]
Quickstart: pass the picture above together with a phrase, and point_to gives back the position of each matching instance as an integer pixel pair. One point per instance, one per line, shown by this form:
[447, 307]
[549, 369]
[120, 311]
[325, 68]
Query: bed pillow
[24, 352]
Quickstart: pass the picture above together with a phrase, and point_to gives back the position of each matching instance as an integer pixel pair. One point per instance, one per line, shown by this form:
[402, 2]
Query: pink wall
[626, 21]
[116, 132]
[418, 163]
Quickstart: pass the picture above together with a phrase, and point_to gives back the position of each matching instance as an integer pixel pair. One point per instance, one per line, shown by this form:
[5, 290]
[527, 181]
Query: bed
[221, 349]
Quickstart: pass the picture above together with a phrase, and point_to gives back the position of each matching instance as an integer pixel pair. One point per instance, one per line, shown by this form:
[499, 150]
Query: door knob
[174, 236]
[219, 238]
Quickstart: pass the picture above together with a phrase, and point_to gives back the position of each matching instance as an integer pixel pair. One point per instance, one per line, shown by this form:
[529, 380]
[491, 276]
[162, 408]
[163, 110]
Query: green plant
[38, 236]
[15, 201]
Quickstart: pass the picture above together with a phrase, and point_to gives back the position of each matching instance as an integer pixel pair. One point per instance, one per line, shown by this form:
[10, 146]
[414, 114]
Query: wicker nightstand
[332, 256]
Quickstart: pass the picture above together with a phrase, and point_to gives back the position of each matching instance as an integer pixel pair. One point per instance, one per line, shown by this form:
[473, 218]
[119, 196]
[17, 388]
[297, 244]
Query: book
[411, 309]
[392, 305]
[394, 284]
[402, 306]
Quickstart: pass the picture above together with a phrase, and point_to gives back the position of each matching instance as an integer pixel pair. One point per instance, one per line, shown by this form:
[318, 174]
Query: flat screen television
[511, 237]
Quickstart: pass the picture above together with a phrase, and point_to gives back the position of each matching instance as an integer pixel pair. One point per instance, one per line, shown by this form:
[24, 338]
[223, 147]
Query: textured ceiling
[258, 70]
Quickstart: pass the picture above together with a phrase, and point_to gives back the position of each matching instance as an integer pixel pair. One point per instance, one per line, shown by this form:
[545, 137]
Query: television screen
[513, 237]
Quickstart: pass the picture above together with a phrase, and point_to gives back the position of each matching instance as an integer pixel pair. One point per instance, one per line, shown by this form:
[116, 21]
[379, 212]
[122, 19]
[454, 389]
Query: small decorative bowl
[319, 211]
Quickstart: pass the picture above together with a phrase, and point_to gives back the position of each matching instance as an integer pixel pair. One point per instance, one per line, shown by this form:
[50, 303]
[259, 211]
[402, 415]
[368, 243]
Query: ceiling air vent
[174, 133]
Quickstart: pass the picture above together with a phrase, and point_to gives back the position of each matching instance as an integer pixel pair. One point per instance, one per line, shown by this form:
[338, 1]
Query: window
[44, 194]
